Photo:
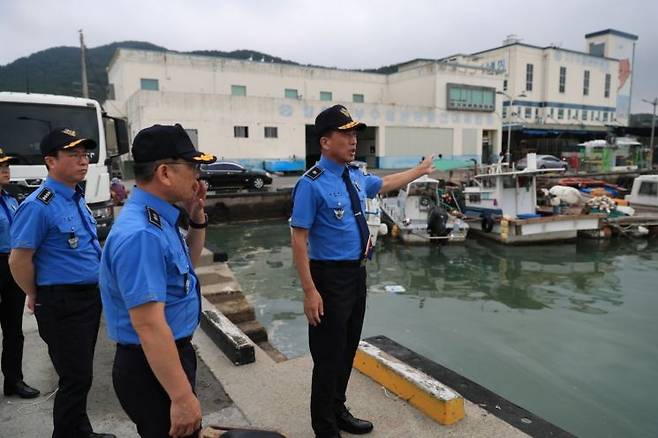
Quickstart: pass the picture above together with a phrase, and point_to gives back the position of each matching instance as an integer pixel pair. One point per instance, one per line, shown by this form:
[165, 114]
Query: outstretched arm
[397, 180]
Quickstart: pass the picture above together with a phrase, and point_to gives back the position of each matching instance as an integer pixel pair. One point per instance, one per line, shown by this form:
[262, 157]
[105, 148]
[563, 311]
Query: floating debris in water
[394, 288]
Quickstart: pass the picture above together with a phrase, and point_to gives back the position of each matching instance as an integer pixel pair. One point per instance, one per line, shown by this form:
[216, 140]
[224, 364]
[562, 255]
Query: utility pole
[83, 66]
[653, 102]
[509, 121]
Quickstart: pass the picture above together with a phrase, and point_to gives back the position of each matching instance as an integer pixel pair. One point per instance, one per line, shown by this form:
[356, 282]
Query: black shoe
[348, 423]
[100, 435]
[334, 435]
[22, 390]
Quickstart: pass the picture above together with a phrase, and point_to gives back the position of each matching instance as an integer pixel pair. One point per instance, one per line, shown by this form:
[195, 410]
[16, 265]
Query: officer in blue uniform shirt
[54, 259]
[150, 292]
[331, 244]
[12, 299]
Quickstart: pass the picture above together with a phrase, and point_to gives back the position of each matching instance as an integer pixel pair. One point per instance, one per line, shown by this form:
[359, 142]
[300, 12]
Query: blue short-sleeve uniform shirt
[321, 204]
[8, 207]
[56, 223]
[145, 259]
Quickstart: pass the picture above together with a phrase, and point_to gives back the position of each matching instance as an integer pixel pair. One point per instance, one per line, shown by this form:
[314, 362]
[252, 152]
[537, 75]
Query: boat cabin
[644, 194]
[510, 194]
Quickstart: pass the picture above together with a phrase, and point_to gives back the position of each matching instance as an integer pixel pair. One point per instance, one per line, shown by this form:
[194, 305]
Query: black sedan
[226, 174]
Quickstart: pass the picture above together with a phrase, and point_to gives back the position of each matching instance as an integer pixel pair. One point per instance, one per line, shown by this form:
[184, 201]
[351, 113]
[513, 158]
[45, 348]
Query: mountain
[57, 70]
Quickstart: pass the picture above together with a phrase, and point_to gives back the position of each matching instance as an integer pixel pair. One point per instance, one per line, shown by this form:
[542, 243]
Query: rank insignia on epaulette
[154, 217]
[46, 195]
[314, 172]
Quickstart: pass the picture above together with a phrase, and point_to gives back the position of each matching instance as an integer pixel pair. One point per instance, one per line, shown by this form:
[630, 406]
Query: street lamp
[653, 102]
[509, 121]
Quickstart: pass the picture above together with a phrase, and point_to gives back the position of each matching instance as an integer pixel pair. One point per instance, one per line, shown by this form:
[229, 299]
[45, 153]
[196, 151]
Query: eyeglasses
[79, 155]
[194, 166]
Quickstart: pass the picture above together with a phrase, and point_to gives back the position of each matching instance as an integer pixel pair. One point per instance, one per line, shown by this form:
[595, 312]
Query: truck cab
[25, 118]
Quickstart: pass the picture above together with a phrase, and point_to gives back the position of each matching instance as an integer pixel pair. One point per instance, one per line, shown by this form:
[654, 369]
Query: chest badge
[73, 241]
[339, 213]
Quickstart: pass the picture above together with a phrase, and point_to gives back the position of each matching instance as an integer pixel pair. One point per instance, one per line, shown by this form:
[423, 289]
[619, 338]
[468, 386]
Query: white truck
[25, 118]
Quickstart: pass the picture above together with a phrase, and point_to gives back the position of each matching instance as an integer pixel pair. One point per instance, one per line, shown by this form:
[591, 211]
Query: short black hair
[144, 172]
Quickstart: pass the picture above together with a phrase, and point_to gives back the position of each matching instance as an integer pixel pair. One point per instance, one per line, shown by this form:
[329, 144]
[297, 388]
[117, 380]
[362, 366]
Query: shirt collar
[331, 165]
[168, 211]
[60, 188]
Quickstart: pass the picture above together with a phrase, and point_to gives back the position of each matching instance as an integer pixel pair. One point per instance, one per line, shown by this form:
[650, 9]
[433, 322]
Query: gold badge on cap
[345, 112]
[69, 132]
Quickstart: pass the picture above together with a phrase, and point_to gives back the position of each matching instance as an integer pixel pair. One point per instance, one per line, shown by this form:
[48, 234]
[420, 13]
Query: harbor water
[567, 331]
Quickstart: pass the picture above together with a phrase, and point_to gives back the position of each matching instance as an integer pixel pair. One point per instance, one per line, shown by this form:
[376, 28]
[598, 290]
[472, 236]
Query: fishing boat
[417, 214]
[644, 194]
[501, 204]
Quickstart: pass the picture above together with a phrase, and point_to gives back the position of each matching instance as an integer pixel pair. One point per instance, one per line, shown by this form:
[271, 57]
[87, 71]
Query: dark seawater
[568, 331]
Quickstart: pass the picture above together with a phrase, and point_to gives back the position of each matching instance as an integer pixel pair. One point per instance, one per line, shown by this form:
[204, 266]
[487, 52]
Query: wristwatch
[201, 225]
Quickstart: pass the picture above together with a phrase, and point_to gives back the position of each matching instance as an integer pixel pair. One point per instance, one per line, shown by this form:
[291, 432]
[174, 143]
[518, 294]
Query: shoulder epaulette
[46, 195]
[314, 172]
[153, 217]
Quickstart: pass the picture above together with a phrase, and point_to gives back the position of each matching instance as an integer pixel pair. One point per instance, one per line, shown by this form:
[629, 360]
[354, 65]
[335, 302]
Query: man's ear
[49, 160]
[162, 174]
[324, 143]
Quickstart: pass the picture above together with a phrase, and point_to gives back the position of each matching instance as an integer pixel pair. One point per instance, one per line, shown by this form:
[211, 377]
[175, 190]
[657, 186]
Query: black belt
[67, 287]
[339, 263]
[182, 342]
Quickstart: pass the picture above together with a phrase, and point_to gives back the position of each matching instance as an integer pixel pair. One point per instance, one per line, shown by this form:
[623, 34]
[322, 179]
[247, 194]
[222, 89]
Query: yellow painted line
[420, 390]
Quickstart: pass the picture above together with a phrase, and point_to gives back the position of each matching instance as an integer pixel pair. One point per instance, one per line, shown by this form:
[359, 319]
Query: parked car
[544, 162]
[226, 174]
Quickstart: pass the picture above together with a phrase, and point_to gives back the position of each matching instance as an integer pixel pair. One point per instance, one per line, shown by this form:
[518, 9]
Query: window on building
[291, 93]
[357, 98]
[583, 115]
[528, 112]
[536, 113]
[552, 112]
[586, 83]
[271, 132]
[605, 116]
[563, 79]
[560, 114]
[326, 95]
[575, 114]
[149, 84]
[569, 114]
[241, 131]
[238, 90]
[505, 85]
[528, 76]
[462, 97]
[504, 112]
[606, 91]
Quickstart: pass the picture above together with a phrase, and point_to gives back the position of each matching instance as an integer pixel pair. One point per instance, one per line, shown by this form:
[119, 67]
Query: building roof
[615, 32]
[544, 48]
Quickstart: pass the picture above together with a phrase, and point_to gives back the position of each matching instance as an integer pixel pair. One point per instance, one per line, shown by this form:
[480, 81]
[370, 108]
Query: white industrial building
[557, 86]
[262, 113]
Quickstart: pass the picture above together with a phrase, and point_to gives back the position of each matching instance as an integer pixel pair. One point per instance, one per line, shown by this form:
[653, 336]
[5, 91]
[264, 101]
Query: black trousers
[68, 317]
[333, 342]
[12, 302]
[140, 393]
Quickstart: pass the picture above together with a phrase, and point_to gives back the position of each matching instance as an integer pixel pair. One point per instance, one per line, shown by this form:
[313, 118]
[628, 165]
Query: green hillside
[57, 70]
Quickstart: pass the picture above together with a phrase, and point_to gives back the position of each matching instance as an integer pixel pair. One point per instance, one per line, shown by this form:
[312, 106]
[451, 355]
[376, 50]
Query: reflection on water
[570, 322]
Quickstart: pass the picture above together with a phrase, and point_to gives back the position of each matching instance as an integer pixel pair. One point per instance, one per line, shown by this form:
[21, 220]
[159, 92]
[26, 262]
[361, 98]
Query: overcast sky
[347, 34]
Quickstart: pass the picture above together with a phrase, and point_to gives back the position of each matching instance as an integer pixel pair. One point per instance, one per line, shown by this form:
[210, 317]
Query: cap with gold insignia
[64, 138]
[6, 159]
[160, 142]
[336, 118]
